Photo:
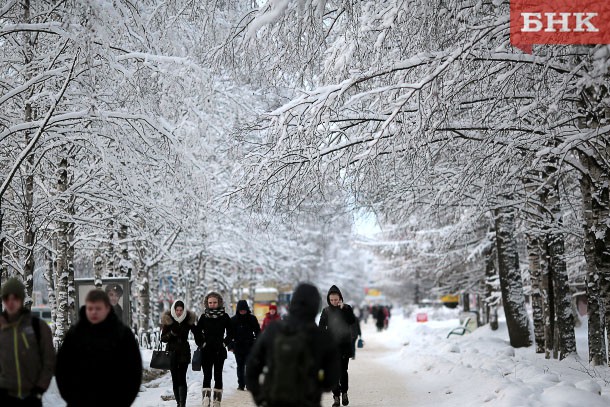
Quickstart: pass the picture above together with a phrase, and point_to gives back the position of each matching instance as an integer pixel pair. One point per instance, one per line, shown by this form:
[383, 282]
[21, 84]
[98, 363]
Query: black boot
[336, 401]
[182, 390]
[345, 400]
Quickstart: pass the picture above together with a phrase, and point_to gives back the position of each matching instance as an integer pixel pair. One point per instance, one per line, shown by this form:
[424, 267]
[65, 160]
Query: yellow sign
[374, 292]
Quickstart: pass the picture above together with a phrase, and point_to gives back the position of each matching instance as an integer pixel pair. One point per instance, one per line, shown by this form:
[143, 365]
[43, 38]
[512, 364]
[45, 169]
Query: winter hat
[242, 305]
[273, 307]
[172, 311]
[305, 302]
[333, 290]
[13, 286]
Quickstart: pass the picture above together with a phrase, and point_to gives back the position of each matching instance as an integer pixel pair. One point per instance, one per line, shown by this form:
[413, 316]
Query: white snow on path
[482, 369]
[414, 364]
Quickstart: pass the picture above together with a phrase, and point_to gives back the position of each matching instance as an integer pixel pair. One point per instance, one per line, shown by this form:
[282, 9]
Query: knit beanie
[13, 286]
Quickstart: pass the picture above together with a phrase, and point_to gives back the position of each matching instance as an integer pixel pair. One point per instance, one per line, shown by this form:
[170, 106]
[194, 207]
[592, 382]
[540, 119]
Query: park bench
[462, 329]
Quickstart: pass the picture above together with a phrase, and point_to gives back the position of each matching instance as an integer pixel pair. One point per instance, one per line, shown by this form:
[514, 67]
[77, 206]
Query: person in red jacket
[271, 317]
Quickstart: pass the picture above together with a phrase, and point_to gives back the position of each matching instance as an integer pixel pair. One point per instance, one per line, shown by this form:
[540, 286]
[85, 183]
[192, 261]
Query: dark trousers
[343, 384]
[216, 365]
[179, 376]
[241, 358]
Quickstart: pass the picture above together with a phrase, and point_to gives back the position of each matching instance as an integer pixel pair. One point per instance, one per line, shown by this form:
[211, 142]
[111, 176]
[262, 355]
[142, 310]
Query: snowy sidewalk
[414, 364]
[481, 369]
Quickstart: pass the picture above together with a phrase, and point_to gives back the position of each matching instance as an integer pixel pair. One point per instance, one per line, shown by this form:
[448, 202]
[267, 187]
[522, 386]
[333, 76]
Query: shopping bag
[360, 343]
[161, 359]
[197, 360]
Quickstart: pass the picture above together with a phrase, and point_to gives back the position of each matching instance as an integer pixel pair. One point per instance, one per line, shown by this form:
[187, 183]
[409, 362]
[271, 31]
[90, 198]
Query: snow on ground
[482, 369]
[415, 364]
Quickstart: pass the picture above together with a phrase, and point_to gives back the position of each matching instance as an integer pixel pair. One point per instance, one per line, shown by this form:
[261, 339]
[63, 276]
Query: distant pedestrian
[27, 356]
[380, 317]
[356, 334]
[365, 313]
[293, 362]
[99, 362]
[338, 319]
[245, 329]
[176, 325]
[217, 330]
[271, 317]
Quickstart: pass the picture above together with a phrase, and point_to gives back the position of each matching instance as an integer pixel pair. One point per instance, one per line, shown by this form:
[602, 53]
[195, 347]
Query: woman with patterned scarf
[217, 331]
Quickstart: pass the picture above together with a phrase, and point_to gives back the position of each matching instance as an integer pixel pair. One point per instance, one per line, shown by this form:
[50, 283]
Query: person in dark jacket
[356, 334]
[338, 319]
[99, 362]
[27, 356]
[245, 329]
[380, 317]
[176, 325]
[217, 330]
[304, 307]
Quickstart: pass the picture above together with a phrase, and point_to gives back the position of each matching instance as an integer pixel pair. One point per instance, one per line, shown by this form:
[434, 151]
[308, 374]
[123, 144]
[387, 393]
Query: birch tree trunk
[1, 248]
[600, 235]
[533, 254]
[548, 297]
[492, 299]
[110, 265]
[62, 259]
[596, 339]
[561, 288]
[143, 286]
[98, 269]
[29, 235]
[510, 278]
[50, 279]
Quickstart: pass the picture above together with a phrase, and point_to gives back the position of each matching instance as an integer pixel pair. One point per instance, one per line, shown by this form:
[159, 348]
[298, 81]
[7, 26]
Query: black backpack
[291, 379]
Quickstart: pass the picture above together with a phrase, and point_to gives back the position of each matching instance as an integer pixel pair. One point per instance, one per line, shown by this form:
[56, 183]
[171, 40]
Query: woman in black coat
[176, 325]
[215, 325]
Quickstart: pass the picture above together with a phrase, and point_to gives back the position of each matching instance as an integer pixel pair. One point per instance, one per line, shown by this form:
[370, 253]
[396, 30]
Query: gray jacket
[25, 366]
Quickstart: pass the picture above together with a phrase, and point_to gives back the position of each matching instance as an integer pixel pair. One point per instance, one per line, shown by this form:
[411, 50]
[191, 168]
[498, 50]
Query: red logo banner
[559, 22]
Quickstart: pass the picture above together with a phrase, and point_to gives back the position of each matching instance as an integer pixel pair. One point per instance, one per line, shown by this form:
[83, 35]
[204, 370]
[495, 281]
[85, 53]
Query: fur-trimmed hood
[167, 319]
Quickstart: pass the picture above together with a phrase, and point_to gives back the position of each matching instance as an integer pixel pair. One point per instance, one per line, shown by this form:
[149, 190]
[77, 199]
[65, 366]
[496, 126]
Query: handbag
[161, 359]
[360, 343]
[197, 360]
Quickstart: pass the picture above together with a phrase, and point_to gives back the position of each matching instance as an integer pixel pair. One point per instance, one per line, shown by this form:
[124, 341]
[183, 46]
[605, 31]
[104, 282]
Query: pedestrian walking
[217, 330]
[271, 317]
[245, 329]
[176, 325]
[294, 361]
[356, 334]
[99, 362]
[27, 356]
[338, 319]
[380, 317]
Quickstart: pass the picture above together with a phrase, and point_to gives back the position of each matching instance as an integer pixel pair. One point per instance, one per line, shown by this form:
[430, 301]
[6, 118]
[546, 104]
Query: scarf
[214, 313]
[178, 319]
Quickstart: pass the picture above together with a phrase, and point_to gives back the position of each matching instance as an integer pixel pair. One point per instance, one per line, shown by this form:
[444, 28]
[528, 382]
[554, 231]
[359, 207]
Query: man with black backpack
[293, 362]
[27, 356]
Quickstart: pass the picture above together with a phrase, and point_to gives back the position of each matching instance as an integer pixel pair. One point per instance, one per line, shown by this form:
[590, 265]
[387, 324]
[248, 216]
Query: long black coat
[176, 334]
[246, 329]
[99, 365]
[339, 321]
[217, 333]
